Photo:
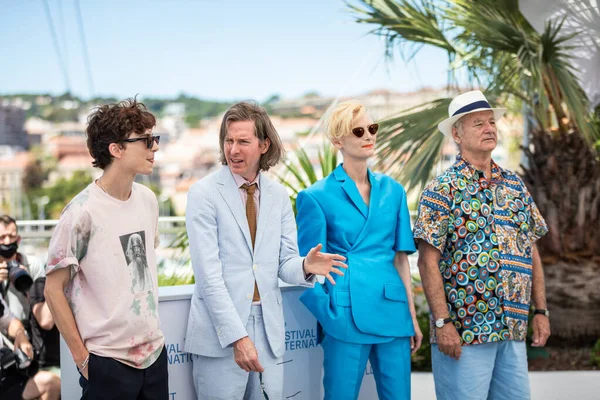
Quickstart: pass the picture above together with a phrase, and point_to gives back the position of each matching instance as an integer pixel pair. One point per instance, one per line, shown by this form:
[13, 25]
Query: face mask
[8, 250]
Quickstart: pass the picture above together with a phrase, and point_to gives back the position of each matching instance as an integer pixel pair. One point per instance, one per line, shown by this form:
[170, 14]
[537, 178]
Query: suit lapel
[266, 205]
[351, 190]
[231, 195]
[373, 207]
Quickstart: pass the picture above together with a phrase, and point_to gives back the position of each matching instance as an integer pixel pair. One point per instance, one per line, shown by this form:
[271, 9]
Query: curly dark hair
[111, 123]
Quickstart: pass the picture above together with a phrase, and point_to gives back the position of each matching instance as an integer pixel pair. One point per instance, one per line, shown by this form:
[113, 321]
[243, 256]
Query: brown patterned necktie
[251, 216]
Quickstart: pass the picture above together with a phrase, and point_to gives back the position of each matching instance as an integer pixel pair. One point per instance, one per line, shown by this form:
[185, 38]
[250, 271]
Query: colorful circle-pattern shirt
[485, 230]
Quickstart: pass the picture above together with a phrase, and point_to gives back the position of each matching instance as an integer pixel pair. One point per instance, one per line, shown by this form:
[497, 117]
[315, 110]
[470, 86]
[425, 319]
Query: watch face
[543, 312]
[439, 323]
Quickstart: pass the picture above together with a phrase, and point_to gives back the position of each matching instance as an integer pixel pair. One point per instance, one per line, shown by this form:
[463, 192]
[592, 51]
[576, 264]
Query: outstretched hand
[324, 264]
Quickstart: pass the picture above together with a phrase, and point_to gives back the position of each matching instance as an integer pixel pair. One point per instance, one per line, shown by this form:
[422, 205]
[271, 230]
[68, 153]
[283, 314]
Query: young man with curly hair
[101, 286]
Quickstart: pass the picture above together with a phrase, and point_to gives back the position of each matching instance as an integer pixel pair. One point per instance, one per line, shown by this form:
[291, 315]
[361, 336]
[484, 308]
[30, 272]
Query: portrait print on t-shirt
[134, 247]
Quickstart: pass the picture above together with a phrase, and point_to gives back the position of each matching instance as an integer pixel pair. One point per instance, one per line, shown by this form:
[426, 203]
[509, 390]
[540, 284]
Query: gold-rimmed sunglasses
[360, 131]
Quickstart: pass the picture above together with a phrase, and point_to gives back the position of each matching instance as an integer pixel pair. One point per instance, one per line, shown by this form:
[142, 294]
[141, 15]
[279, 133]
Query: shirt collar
[467, 169]
[239, 180]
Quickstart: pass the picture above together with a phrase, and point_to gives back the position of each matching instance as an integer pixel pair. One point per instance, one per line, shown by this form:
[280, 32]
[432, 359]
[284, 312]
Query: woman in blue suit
[367, 314]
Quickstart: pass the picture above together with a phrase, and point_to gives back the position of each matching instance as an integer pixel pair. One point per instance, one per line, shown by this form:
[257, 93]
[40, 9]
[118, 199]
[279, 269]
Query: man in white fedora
[480, 268]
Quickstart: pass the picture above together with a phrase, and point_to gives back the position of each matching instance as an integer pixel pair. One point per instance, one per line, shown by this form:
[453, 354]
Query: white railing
[36, 235]
[38, 229]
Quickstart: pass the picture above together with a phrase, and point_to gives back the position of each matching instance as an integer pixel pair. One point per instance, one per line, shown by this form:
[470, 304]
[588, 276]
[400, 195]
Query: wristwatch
[541, 311]
[441, 322]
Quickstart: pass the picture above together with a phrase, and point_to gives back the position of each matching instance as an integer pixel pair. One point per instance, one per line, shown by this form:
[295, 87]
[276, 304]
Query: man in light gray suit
[242, 235]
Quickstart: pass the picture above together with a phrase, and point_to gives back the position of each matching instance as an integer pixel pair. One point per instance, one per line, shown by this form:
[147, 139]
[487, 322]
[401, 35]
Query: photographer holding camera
[17, 273]
[19, 277]
[18, 377]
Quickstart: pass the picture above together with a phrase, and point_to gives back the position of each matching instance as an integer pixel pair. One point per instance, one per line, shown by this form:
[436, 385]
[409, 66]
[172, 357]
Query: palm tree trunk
[563, 177]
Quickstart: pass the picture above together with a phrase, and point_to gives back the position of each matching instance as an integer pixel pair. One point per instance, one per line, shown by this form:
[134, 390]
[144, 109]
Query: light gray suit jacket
[225, 266]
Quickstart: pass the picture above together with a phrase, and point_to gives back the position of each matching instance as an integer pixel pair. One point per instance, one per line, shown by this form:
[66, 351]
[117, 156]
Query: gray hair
[459, 126]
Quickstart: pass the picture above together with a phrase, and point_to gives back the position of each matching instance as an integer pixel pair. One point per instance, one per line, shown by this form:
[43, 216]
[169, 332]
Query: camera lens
[22, 281]
[18, 277]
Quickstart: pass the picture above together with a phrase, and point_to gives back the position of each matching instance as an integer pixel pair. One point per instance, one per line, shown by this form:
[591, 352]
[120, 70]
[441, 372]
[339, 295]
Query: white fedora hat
[467, 103]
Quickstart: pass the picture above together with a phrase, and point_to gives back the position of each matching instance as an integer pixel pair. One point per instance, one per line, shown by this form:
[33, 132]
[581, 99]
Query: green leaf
[500, 52]
[409, 144]
[302, 170]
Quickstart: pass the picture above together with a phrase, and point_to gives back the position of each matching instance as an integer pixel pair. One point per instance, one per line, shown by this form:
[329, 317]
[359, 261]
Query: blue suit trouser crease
[344, 368]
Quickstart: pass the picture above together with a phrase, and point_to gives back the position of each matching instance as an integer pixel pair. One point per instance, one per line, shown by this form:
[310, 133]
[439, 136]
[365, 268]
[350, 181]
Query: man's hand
[246, 356]
[85, 370]
[3, 271]
[324, 264]
[541, 330]
[21, 342]
[415, 341]
[85, 373]
[448, 341]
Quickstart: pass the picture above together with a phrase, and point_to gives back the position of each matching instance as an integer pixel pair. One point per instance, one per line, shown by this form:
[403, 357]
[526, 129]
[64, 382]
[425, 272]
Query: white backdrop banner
[303, 359]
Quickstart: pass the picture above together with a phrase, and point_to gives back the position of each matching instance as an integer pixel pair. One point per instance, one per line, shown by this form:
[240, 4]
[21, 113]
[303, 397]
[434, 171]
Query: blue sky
[227, 49]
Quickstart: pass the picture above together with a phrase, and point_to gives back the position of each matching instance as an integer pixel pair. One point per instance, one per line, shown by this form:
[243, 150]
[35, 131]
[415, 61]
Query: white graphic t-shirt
[109, 246]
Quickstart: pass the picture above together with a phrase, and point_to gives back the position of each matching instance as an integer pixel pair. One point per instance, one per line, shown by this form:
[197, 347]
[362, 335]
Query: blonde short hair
[339, 121]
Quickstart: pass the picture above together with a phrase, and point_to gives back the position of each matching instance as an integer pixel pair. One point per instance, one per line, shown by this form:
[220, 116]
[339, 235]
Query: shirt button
[255, 267]
[249, 297]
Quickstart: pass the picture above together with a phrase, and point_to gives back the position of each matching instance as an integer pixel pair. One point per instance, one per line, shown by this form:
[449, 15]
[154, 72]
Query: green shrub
[175, 279]
[595, 354]
[421, 360]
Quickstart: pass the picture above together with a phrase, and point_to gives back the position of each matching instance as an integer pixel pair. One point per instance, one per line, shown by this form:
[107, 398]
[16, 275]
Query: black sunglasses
[149, 140]
[360, 131]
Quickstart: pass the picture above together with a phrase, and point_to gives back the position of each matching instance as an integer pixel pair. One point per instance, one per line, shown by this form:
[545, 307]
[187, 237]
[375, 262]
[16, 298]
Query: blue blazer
[368, 304]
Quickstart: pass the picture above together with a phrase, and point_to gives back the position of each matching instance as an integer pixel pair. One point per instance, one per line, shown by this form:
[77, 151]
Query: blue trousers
[492, 371]
[344, 368]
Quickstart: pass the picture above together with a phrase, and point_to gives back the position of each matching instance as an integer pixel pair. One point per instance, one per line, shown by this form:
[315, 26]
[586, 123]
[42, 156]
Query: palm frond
[302, 170]
[501, 52]
[327, 159]
[404, 22]
[563, 82]
[409, 144]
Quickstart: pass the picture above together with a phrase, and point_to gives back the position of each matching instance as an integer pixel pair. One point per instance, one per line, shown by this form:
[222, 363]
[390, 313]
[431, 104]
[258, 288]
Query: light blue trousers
[222, 379]
[491, 371]
[344, 366]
